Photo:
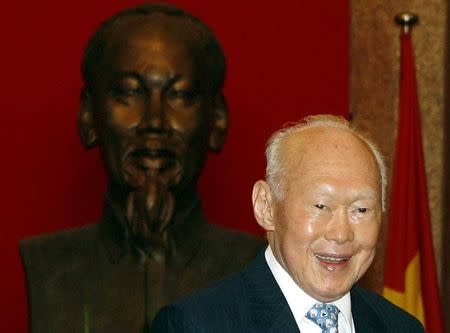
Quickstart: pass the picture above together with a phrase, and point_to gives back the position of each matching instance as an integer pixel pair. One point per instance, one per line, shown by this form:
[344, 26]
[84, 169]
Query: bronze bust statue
[152, 102]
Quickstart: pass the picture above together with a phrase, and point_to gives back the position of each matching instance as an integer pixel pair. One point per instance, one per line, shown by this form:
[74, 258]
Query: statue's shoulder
[59, 239]
[234, 237]
[63, 246]
[238, 244]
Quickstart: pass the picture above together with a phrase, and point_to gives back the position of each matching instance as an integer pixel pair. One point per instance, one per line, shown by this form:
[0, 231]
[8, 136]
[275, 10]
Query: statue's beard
[153, 174]
[151, 171]
[149, 211]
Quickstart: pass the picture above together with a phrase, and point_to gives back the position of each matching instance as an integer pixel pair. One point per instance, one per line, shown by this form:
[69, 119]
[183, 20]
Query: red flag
[410, 279]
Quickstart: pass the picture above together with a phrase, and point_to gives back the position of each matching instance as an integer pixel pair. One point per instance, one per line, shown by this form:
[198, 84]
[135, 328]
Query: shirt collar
[299, 301]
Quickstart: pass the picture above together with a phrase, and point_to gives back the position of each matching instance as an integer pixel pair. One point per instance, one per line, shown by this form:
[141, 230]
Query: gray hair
[273, 150]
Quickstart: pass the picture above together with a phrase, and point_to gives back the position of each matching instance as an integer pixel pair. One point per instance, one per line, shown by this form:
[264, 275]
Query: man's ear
[219, 124]
[86, 120]
[263, 205]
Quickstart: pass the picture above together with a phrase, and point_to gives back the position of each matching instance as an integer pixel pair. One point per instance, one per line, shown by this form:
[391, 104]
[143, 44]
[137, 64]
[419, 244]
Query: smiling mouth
[333, 262]
[332, 258]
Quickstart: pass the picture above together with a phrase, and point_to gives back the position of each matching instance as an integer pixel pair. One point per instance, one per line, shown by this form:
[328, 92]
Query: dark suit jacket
[92, 277]
[251, 301]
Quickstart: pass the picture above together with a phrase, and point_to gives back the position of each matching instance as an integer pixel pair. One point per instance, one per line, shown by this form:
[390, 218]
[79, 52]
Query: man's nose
[154, 113]
[339, 228]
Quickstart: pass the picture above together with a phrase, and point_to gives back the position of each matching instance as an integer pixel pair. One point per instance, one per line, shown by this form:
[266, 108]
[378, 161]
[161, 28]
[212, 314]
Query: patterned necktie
[325, 316]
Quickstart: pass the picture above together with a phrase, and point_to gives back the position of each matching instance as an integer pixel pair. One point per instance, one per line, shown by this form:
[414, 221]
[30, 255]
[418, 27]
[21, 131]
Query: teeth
[332, 258]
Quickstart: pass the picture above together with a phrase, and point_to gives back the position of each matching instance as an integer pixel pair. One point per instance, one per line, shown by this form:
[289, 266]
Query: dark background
[286, 59]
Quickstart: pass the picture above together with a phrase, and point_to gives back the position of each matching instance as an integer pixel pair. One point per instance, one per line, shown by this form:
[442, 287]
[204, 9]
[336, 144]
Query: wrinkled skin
[154, 115]
[324, 230]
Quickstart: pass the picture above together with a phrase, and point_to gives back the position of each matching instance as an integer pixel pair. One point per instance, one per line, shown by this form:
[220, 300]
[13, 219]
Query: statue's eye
[187, 95]
[126, 91]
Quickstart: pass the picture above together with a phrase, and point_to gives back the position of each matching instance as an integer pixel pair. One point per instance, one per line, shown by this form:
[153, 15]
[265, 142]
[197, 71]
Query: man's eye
[362, 210]
[320, 206]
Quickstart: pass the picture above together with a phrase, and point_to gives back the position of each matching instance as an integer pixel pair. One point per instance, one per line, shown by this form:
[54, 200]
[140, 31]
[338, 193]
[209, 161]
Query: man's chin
[333, 290]
[330, 295]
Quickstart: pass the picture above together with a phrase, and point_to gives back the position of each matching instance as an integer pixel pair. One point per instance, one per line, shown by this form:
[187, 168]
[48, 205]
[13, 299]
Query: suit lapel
[269, 310]
[365, 318]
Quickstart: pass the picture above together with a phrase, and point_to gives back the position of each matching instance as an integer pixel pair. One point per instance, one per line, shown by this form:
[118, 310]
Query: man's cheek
[368, 235]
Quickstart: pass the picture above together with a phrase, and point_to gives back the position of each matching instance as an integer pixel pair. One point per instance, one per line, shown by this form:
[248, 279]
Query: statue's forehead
[142, 43]
[156, 26]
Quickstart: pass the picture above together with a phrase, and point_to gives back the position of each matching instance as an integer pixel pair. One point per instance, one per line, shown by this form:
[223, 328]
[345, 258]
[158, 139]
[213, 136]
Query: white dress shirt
[300, 302]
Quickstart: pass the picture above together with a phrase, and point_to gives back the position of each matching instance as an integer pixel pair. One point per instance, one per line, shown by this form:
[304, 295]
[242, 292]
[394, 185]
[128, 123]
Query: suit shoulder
[392, 315]
[219, 308]
[226, 291]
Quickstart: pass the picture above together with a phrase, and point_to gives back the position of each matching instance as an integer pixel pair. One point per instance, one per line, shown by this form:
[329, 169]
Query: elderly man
[152, 101]
[321, 207]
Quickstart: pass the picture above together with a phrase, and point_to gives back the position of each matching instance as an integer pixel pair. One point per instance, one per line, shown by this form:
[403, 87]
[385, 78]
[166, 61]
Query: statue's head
[152, 98]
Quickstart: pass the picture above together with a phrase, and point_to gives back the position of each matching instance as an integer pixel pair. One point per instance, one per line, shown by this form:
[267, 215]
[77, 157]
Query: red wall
[284, 61]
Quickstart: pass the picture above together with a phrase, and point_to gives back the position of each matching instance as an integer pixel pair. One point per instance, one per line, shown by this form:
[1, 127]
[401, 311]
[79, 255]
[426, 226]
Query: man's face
[325, 229]
[152, 105]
